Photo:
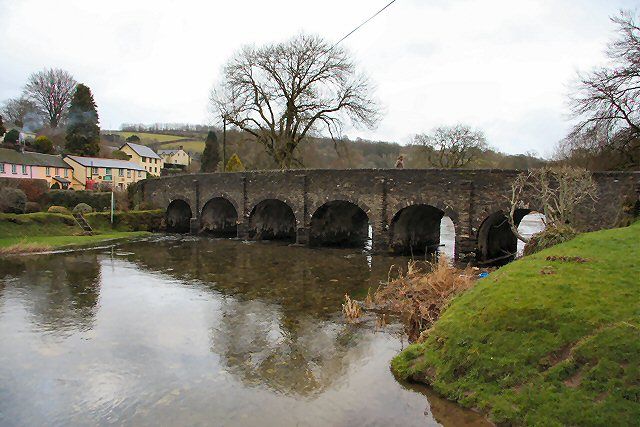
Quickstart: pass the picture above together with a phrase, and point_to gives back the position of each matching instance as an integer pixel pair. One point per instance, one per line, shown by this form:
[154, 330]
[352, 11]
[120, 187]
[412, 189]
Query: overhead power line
[361, 25]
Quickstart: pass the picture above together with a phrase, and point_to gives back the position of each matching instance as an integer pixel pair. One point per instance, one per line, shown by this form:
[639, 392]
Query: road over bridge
[400, 208]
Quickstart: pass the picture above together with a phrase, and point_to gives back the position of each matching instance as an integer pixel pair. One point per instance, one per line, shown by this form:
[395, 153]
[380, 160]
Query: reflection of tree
[275, 329]
[290, 354]
[61, 291]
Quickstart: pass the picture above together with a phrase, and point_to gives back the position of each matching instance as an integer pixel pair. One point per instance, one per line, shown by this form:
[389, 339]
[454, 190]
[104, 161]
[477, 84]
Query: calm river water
[194, 331]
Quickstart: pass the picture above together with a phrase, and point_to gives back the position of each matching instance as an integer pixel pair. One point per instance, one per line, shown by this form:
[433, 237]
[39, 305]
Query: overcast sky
[500, 66]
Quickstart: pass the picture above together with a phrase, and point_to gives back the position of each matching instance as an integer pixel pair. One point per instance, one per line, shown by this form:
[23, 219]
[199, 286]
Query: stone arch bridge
[398, 209]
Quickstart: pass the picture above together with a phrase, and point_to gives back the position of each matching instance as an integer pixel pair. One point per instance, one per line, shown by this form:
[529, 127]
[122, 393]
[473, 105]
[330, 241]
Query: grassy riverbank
[45, 231]
[544, 341]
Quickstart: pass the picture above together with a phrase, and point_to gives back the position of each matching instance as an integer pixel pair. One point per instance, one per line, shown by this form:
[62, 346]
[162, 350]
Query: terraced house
[17, 165]
[91, 172]
[175, 156]
[145, 157]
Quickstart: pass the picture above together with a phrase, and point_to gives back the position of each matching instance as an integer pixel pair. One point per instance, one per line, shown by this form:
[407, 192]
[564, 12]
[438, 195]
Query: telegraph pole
[224, 144]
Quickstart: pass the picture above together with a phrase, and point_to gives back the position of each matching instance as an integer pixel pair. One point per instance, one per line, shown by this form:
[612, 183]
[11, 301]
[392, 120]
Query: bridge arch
[339, 223]
[415, 230]
[497, 244]
[178, 216]
[219, 218]
[272, 219]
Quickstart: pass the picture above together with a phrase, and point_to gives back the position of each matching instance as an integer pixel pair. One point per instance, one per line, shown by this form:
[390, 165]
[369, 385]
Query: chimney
[181, 147]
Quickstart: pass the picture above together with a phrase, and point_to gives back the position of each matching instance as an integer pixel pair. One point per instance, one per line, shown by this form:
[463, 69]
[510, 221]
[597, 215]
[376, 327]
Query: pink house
[17, 165]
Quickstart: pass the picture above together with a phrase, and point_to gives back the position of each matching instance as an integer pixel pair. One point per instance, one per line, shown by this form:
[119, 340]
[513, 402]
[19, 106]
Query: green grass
[544, 349]
[146, 137]
[41, 231]
[193, 146]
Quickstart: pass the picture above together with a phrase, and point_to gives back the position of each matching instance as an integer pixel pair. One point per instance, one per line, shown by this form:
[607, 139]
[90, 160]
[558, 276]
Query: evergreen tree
[12, 137]
[3, 129]
[83, 133]
[211, 153]
[235, 164]
[133, 138]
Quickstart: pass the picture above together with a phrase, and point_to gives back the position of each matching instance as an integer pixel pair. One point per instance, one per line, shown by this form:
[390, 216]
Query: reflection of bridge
[336, 207]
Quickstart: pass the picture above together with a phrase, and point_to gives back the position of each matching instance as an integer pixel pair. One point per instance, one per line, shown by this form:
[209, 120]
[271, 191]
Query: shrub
[235, 164]
[33, 188]
[12, 136]
[550, 236]
[42, 144]
[82, 208]
[120, 155]
[32, 207]
[12, 200]
[58, 210]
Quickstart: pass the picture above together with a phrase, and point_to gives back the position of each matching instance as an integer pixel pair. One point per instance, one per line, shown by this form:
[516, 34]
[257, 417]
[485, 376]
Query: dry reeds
[422, 293]
[351, 309]
[21, 248]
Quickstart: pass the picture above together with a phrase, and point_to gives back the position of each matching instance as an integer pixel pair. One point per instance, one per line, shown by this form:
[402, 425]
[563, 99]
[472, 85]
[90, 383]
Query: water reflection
[191, 331]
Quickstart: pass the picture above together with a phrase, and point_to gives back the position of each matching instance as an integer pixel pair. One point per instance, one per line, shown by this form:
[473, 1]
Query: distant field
[192, 145]
[146, 137]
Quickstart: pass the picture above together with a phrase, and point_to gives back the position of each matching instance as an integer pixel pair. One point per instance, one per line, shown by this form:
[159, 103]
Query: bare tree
[51, 90]
[451, 146]
[606, 101]
[282, 93]
[20, 110]
[555, 190]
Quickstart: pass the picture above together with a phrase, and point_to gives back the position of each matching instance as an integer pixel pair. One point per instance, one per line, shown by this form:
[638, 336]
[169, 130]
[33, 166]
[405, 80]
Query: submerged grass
[17, 245]
[545, 340]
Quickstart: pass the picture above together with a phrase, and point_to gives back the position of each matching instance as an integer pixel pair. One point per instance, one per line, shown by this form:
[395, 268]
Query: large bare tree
[51, 90]
[451, 146]
[606, 101]
[281, 93]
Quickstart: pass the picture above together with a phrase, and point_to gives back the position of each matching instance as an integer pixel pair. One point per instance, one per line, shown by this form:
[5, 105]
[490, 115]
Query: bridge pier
[465, 248]
[302, 236]
[194, 226]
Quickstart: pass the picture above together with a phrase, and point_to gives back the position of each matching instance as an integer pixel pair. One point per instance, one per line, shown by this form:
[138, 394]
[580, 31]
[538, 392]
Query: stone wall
[468, 197]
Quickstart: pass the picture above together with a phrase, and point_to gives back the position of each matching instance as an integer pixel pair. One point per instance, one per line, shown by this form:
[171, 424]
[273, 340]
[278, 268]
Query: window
[120, 172]
[139, 174]
[128, 173]
[57, 171]
[66, 173]
[24, 169]
[1, 167]
[14, 169]
[155, 170]
[144, 160]
[47, 171]
[94, 171]
[107, 171]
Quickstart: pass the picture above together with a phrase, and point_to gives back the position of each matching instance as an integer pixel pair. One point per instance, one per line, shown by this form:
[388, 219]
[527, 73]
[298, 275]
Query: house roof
[29, 158]
[170, 151]
[97, 162]
[61, 180]
[142, 150]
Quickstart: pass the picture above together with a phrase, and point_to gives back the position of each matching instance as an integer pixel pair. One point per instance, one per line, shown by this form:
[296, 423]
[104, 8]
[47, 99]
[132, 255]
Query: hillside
[544, 341]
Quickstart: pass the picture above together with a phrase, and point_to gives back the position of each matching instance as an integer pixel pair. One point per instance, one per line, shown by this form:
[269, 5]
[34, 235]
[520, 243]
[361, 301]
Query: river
[180, 330]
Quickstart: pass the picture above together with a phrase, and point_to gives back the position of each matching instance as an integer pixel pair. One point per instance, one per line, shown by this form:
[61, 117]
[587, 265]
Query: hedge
[128, 221]
[70, 199]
